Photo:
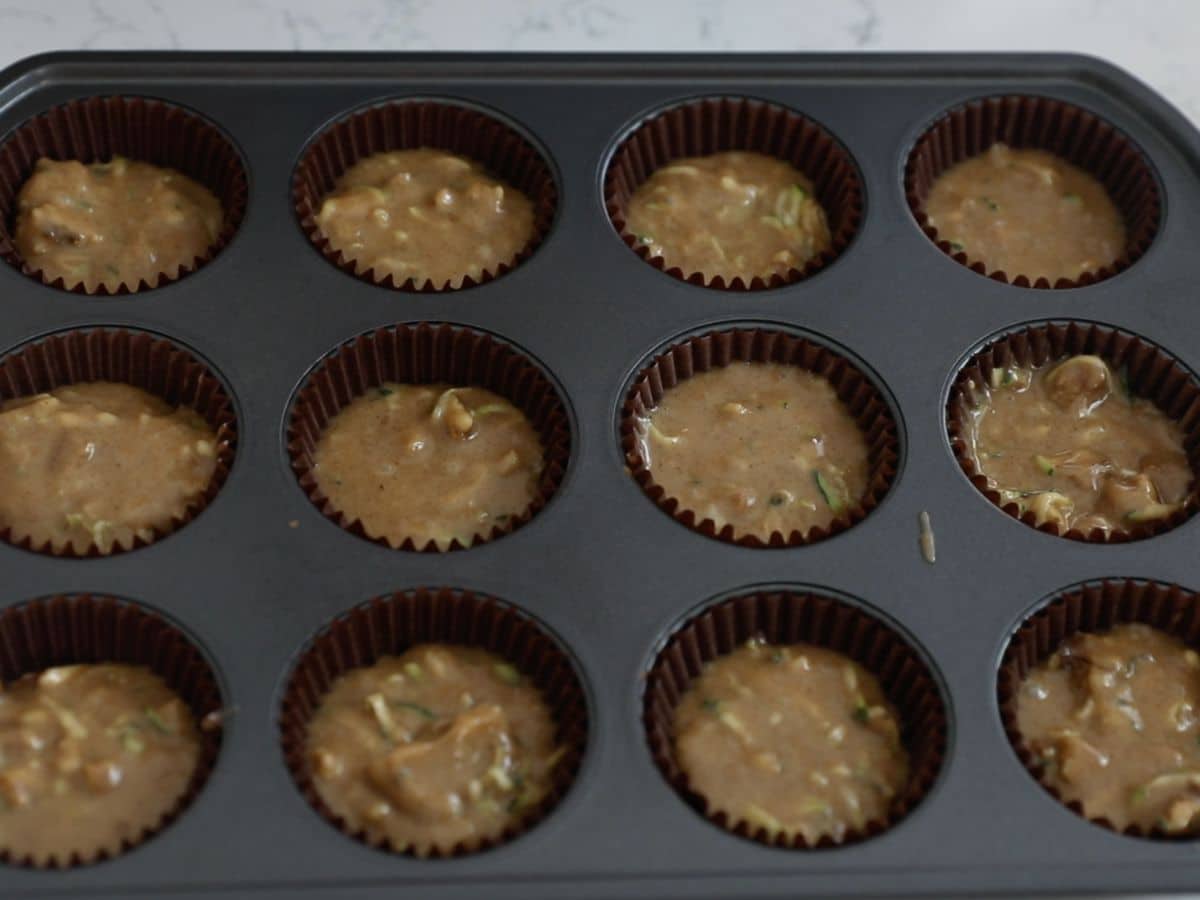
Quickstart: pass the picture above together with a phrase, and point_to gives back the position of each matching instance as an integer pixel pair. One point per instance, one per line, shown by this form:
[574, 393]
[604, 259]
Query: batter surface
[100, 463]
[442, 745]
[426, 215]
[797, 739]
[430, 462]
[1026, 212]
[90, 757]
[1113, 719]
[1069, 441]
[731, 214]
[764, 447]
[113, 223]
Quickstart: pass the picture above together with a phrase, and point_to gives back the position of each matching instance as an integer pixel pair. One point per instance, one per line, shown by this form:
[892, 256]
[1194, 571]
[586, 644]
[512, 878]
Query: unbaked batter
[431, 463]
[764, 447]
[1026, 212]
[99, 463]
[440, 746]
[426, 215]
[736, 215]
[797, 740]
[114, 223]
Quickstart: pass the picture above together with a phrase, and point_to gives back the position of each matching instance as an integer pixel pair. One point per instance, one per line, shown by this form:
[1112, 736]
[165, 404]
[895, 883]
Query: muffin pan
[257, 576]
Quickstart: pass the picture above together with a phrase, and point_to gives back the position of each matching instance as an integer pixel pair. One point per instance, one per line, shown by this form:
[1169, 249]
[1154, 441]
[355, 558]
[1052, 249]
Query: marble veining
[1154, 41]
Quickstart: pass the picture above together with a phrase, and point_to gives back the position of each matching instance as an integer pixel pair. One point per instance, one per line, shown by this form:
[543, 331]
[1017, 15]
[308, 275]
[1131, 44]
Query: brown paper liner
[1040, 123]
[94, 129]
[790, 617]
[1152, 374]
[411, 125]
[424, 354]
[717, 349]
[1093, 607]
[390, 625]
[143, 360]
[86, 628]
[717, 124]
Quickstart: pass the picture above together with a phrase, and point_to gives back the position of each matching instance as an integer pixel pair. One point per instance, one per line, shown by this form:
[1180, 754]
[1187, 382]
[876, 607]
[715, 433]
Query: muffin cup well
[86, 628]
[94, 129]
[788, 617]
[1093, 607]
[427, 353]
[143, 360]
[1039, 123]
[390, 625]
[411, 125]
[711, 125]
[717, 349]
[1151, 374]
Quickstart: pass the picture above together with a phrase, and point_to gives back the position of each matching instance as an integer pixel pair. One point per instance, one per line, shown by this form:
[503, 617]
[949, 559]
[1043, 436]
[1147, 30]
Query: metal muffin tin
[259, 571]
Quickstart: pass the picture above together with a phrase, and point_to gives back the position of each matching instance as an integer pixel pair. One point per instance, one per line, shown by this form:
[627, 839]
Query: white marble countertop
[1156, 40]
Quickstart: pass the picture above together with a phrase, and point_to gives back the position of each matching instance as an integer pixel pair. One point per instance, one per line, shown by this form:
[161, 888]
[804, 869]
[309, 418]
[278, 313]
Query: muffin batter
[99, 463]
[1070, 442]
[1026, 212]
[431, 463]
[798, 740]
[442, 745]
[113, 223]
[1113, 721]
[764, 447]
[90, 757]
[736, 215]
[427, 215]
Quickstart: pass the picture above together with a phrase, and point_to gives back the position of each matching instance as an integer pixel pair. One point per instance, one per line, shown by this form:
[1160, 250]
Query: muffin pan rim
[816, 876]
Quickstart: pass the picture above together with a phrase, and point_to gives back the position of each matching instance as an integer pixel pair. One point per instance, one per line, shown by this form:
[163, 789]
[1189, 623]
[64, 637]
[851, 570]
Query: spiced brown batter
[426, 215]
[99, 463]
[1113, 720]
[1026, 212]
[430, 462]
[798, 740]
[764, 447]
[90, 757]
[733, 214]
[1070, 442]
[440, 746]
[113, 223]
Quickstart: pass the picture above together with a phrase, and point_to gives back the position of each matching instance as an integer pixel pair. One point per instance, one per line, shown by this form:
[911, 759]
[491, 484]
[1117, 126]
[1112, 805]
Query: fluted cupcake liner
[1150, 371]
[1093, 607]
[138, 358]
[95, 129]
[87, 628]
[711, 125]
[411, 125]
[423, 354]
[717, 349]
[790, 616]
[390, 625]
[1039, 123]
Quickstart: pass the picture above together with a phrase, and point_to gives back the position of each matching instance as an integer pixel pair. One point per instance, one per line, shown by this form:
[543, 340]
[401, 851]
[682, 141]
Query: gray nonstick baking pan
[260, 571]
